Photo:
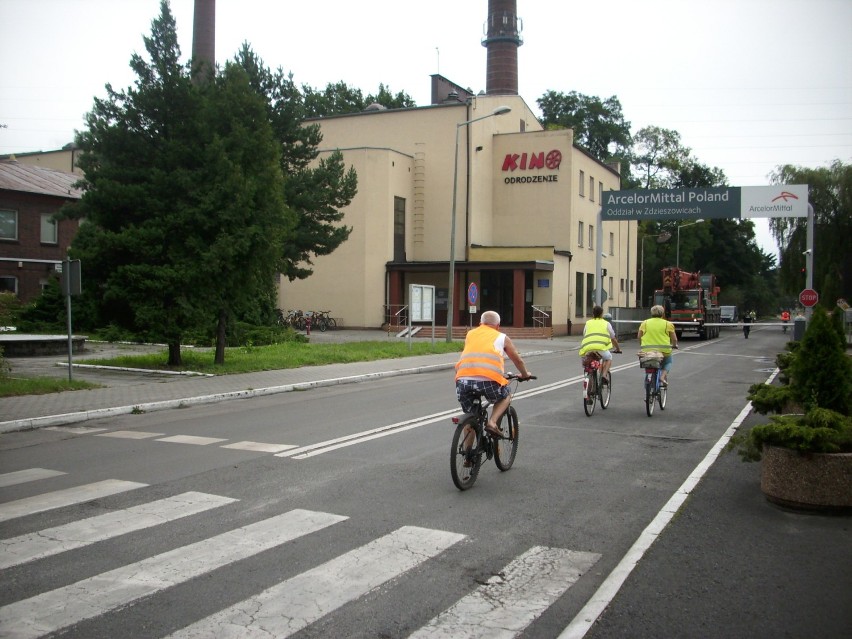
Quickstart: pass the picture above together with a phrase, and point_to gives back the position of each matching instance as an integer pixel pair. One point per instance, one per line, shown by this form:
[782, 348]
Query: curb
[33, 423]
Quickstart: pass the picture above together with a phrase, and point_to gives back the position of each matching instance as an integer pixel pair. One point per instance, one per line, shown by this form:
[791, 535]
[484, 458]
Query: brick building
[32, 242]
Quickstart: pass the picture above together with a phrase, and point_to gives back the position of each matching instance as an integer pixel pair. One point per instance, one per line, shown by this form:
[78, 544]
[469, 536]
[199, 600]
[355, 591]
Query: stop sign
[809, 297]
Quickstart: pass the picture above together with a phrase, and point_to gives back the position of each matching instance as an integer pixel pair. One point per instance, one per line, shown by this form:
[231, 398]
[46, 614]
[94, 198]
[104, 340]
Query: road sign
[472, 293]
[808, 297]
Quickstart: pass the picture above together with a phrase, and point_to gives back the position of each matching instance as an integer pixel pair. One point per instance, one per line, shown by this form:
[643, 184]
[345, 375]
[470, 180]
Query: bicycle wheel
[650, 379]
[661, 397]
[505, 449]
[465, 476]
[332, 323]
[322, 324]
[606, 391]
[591, 394]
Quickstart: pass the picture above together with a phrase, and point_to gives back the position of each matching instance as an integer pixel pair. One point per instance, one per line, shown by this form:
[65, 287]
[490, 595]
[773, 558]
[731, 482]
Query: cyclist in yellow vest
[598, 335]
[479, 370]
[658, 334]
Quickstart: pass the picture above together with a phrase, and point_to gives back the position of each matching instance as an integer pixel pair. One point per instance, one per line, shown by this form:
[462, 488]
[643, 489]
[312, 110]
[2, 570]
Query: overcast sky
[749, 84]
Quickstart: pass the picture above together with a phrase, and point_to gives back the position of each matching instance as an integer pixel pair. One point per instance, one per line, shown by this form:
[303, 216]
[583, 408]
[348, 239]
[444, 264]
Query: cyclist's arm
[515, 356]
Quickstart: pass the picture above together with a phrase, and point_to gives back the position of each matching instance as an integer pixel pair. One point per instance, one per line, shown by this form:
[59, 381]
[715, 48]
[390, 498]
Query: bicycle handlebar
[511, 375]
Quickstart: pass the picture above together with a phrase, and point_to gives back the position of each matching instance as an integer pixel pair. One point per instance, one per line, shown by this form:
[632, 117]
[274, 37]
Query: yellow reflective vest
[595, 336]
[656, 335]
[480, 357]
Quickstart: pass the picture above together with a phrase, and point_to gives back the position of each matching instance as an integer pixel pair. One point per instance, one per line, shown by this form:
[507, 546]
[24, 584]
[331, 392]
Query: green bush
[816, 376]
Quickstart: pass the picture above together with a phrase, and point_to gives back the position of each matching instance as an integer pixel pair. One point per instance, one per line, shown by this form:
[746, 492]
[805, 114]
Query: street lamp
[663, 237]
[677, 260]
[451, 289]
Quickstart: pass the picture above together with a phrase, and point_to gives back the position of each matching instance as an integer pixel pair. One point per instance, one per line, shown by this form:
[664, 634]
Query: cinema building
[526, 209]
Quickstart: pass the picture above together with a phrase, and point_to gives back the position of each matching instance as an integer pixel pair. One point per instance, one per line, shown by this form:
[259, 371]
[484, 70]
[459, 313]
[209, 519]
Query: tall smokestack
[204, 41]
[502, 39]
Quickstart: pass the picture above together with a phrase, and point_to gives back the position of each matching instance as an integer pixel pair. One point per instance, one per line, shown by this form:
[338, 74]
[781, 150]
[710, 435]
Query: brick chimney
[204, 40]
[502, 39]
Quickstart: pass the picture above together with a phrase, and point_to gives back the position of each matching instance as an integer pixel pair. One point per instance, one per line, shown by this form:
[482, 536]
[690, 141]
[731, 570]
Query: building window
[621, 284]
[609, 290]
[612, 243]
[48, 229]
[578, 296]
[8, 225]
[600, 192]
[580, 235]
[631, 286]
[590, 293]
[591, 237]
[8, 284]
[582, 183]
[591, 189]
[398, 229]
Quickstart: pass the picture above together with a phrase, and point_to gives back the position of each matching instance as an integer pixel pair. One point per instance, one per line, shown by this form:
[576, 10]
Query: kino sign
[785, 200]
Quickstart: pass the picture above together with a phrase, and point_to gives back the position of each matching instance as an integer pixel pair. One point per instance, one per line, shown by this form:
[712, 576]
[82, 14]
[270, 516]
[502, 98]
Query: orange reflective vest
[480, 357]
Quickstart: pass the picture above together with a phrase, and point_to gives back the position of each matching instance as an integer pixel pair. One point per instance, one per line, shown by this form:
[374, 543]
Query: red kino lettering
[528, 161]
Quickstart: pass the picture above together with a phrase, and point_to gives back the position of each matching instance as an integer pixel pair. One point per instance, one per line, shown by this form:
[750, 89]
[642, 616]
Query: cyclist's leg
[666, 366]
[501, 398]
[606, 362]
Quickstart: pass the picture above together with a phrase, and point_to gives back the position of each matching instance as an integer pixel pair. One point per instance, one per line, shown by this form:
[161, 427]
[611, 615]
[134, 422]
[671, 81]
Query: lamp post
[663, 237]
[451, 288]
[677, 260]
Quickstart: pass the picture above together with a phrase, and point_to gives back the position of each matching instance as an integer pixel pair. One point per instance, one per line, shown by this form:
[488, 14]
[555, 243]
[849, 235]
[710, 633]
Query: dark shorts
[467, 390]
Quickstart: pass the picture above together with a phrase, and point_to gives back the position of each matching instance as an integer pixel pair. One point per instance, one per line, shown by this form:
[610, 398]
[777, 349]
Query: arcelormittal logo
[786, 196]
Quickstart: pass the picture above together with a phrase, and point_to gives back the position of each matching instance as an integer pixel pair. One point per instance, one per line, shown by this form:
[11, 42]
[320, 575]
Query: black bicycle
[655, 391]
[594, 388]
[471, 442]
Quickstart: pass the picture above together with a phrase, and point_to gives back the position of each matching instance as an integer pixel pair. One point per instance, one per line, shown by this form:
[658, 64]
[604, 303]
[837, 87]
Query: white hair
[492, 318]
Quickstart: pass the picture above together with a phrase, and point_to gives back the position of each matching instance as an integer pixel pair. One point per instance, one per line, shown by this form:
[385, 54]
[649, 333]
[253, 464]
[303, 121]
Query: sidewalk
[125, 391]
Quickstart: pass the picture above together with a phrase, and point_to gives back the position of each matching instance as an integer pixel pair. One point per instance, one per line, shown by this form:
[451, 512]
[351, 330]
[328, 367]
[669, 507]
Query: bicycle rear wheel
[463, 475]
[591, 394]
[661, 397]
[506, 448]
[650, 380]
[606, 391]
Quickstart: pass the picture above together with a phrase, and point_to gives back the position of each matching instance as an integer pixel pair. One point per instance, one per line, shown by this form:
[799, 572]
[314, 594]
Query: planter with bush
[806, 448]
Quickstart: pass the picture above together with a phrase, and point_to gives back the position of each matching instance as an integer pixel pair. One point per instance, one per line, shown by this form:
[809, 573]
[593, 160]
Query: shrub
[816, 376]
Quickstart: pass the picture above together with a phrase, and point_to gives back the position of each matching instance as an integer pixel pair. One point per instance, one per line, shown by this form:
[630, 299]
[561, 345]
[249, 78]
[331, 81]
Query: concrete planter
[813, 481]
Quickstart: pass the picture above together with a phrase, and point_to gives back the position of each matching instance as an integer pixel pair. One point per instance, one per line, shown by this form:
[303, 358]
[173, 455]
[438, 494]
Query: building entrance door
[497, 294]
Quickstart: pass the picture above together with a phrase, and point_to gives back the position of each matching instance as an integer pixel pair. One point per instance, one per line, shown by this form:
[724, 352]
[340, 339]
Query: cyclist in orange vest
[479, 370]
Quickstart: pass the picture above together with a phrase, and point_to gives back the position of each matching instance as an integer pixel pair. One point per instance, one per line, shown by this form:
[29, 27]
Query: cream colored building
[526, 214]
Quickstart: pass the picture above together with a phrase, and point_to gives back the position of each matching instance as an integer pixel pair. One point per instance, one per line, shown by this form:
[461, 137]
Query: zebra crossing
[503, 607]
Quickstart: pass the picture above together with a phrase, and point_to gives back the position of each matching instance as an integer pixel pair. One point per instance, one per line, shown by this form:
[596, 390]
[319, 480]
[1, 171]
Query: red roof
[35, 179]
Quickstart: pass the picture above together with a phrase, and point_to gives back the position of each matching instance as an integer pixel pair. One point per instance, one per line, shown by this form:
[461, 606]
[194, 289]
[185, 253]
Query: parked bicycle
[655, 392]
[594, 388]
[323, 320]
[471, 442]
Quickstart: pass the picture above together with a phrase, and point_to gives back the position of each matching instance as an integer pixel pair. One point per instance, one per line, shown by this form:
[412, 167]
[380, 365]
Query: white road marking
[510, 601]
[191, 439]
[63, 607]
[77, 430]
[292, 605]
[606, 592]
[51, 541]
[130, 434]
[67, 497]
[28, 475]
[259, 447]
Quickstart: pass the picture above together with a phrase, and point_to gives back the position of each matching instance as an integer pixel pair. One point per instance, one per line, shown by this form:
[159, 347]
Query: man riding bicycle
[480, 371]
[599, 336]
[658, 334]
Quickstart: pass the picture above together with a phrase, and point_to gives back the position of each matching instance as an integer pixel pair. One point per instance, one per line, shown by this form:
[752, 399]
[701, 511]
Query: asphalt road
[331, 512]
